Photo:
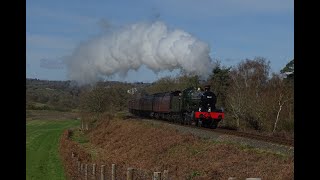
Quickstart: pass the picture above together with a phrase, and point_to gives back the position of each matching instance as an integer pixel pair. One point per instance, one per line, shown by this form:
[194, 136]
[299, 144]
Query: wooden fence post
[130, 174]
[86, 171]
[165, 175]
[102, 172]
[81, 168]
[94, 171]
[157, 176]
[87, 126]
[113, 172]
[79, 165]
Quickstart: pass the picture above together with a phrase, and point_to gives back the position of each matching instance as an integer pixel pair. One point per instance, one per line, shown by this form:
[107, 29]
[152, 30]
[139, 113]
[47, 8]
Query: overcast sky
[233, 29]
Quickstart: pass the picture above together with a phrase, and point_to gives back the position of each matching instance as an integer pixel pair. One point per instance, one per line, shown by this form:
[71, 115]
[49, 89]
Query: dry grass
[157, 147]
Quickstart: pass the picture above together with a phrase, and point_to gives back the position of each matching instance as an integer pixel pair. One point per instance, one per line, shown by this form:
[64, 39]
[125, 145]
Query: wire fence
[97, 171]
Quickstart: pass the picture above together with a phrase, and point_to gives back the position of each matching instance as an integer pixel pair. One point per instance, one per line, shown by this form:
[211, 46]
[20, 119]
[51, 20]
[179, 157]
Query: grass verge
[42, 143]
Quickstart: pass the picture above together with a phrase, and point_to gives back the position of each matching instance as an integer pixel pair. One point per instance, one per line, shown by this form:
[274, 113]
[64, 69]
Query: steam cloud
[149, 44]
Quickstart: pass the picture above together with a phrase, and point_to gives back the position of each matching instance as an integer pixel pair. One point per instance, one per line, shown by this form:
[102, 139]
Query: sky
[233, 29]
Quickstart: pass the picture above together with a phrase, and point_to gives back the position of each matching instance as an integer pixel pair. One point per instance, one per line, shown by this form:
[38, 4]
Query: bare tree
[282, 94]
[245, 95]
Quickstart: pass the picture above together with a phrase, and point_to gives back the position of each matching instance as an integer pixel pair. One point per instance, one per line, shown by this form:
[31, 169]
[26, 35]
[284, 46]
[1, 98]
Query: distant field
[43, 160]
[50, 115]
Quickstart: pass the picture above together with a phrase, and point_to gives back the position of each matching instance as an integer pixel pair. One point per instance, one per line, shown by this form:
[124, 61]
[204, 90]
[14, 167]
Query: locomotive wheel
[185, 120]
[199, 123]
[188, 122]
[214, 125]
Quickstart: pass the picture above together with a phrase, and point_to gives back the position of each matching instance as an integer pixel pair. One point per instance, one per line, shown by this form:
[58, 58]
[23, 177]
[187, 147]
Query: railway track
[271, 139]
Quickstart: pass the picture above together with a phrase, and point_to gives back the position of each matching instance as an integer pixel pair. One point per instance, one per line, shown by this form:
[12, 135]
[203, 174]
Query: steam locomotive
[192, 106]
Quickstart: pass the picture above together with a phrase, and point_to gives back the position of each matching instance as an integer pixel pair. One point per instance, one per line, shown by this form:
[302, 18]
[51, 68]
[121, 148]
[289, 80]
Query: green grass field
[42, 143]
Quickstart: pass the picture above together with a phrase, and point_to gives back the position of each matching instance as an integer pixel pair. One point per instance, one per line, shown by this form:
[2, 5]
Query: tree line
[252, 97]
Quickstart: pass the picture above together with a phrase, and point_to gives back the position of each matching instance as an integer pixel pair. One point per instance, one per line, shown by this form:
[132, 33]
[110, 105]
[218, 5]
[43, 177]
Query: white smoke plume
[151, 44]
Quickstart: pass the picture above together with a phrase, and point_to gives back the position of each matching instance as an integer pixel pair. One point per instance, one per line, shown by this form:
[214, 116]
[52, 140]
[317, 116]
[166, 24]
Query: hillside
[150, 147]
[63, 95]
